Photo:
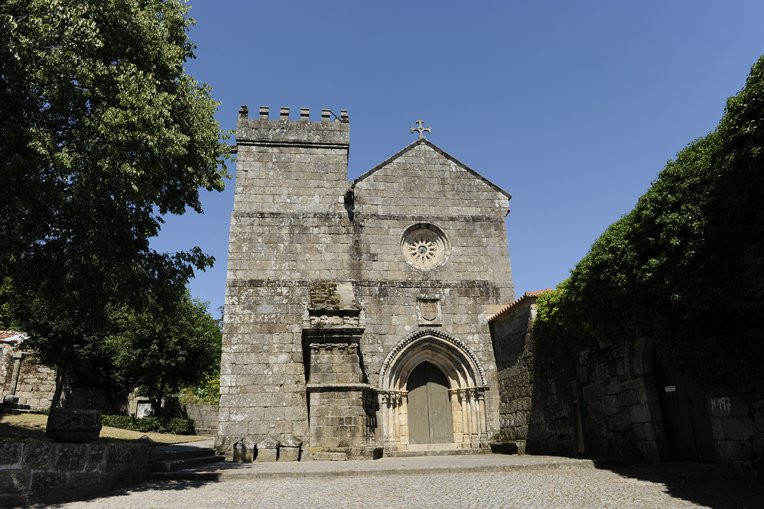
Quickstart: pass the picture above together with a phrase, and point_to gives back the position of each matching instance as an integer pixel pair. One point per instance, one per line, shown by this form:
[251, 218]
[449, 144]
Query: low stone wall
[40, 471]
[204, 415]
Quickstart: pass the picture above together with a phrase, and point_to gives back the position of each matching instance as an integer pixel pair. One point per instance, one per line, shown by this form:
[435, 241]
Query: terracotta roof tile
[526, 295]
[6, 336]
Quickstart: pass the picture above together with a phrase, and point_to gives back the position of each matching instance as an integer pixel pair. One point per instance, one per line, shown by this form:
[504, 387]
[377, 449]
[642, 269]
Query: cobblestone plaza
[537, 482]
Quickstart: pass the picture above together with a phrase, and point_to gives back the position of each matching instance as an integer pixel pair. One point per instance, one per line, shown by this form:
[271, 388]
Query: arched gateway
[426, 375]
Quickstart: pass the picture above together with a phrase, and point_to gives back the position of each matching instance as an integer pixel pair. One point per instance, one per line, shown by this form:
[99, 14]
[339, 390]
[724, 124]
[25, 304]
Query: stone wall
[299, 223]
[34, 384]
[600, 400]
[204, 415]
[537, 407]
[737, 423]
[514, 362]
[39, 471]
[289, 218]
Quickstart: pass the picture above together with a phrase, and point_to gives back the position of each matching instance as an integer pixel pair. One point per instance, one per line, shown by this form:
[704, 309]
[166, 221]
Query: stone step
[487, 463]
[184, 475]
[163, 453]
[184, 463]
[328, 456]
[410, 453]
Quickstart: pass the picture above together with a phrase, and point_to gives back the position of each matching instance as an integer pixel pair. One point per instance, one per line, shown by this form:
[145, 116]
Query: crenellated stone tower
[356, 312]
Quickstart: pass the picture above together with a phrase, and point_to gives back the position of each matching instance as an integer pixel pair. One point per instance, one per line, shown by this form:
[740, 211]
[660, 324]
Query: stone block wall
[32, 383]
[298, 223]
[289, 218]
[514, 362]
[600, 400]
[424, 185]
[565, 400]
[340, 419]
[538, 405]
[737, 424]
[204, 415]
[39, 471]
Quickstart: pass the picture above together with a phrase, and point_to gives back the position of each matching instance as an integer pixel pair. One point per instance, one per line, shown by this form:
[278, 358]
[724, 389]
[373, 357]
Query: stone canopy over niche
[425, 246]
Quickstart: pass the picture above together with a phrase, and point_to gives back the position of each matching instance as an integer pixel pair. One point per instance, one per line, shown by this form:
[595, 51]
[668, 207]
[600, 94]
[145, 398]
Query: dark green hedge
[150, 424]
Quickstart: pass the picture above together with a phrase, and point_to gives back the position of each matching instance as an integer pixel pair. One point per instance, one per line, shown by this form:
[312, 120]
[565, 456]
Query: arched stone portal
[464, 376]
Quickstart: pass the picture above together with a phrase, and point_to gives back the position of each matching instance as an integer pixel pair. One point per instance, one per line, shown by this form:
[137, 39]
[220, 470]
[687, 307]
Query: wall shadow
[708, 484]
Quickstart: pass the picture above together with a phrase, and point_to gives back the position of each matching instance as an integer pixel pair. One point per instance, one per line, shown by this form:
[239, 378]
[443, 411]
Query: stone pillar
[456, 415]
[387, 417]
[403, 414]
[466, 421]
[17, 358]
[480, 396]
[472, 396]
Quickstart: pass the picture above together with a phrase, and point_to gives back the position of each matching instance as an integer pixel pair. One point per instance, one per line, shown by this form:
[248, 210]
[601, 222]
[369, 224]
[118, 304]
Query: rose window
[424, 246]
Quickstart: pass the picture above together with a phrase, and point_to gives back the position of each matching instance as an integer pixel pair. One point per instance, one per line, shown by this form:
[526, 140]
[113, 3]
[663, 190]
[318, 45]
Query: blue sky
[573, 107]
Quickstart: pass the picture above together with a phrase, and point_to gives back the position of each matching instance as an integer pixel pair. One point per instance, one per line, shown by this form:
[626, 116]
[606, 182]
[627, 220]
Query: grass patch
[22, 426]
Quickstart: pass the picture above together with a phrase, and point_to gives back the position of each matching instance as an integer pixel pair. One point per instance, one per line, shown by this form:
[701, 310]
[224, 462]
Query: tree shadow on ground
[201, 476]
[707, 484]
[12, 432]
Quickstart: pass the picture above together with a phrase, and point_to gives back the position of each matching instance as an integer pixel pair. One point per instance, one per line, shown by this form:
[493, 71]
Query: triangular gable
[424, 141]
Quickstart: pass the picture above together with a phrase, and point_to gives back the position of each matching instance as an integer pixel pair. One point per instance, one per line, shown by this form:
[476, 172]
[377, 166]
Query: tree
[101, 134]
[684, 266]
[164, 347]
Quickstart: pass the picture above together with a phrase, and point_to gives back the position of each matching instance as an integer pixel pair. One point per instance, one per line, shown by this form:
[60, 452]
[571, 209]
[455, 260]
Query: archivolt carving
[467, 386]
[425, 335]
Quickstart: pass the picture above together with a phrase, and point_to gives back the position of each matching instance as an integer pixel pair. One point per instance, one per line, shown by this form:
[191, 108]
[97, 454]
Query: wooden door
[685, 414]
[429, 407]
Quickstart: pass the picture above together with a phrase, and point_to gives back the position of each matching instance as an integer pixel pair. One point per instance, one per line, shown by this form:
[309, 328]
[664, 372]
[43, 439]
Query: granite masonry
[39, 471]
[356, 312]
[23, 382]
[613, 399]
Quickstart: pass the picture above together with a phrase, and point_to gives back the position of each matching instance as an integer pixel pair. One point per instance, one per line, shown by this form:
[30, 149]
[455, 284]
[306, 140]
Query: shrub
[150, 424]
[207, 391]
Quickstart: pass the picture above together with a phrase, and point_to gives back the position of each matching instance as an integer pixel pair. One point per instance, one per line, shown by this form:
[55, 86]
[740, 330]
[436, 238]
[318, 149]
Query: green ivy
[685, 266]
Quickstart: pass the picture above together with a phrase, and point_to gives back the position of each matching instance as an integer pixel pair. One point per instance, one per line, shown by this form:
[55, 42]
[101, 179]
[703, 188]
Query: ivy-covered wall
[563, 396]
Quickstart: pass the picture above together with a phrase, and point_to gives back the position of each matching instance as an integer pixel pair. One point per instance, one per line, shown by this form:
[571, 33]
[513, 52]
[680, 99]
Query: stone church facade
[356, 312]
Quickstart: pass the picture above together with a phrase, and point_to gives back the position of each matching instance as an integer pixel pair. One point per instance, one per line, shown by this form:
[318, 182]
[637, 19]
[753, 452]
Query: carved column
[480, 396]
[403, 423]
[456, 415]
[466, 421]
[384, 405]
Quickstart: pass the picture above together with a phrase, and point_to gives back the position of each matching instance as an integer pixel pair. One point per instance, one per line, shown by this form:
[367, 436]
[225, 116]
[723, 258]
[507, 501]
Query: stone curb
[252, 473]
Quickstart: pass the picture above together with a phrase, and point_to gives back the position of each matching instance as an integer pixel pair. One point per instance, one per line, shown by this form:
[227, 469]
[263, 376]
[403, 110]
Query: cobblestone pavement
[565, 487]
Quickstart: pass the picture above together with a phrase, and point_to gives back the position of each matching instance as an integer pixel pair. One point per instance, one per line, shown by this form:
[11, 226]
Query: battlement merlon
[281, 131]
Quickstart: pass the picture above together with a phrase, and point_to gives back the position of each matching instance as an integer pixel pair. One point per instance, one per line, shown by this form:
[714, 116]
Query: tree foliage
[101, 133]
[164, 347]
[685, 265]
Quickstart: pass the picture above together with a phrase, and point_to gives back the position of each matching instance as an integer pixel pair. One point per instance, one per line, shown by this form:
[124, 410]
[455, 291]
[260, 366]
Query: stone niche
[341, 403]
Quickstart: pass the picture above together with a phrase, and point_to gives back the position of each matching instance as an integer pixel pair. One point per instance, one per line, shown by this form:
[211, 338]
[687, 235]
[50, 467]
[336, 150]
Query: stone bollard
[290, 449]
[239, 451]
[250, 447]
[268, 449]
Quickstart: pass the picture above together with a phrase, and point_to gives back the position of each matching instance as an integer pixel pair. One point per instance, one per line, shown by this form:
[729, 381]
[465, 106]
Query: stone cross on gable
[421, 130]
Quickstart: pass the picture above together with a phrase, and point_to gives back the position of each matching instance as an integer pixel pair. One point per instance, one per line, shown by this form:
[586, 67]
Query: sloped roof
[526, 296]
[11, 336]
[425, 141]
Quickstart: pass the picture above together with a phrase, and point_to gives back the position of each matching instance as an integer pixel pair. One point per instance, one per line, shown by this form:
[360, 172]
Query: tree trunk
[60, 375]
[156, 400]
